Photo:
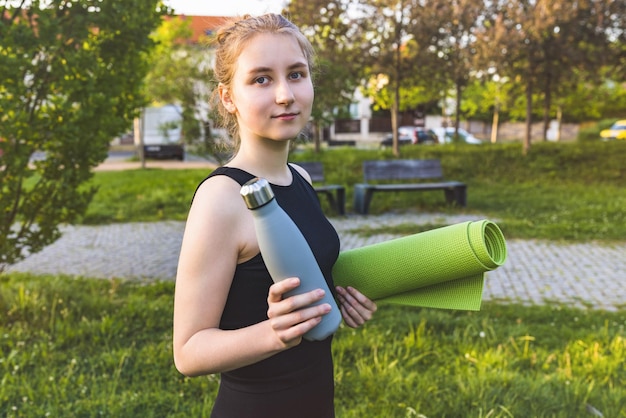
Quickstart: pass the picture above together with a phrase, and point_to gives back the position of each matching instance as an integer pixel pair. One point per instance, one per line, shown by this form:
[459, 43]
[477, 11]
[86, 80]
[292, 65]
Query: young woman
[229, 317]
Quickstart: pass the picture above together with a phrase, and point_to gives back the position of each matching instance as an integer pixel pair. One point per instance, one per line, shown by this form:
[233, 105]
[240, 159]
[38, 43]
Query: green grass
[74, 347]
[142, 195]
[570, 192]
[81, 347]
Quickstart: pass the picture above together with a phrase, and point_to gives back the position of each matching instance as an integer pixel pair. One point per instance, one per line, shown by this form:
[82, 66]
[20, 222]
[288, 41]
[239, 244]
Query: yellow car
[617, 131]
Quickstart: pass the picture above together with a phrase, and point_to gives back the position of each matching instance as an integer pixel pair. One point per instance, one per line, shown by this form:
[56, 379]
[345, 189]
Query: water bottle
[286, 252]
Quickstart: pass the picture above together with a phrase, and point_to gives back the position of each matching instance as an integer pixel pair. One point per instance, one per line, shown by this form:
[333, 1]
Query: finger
[289, 318]
[278, 289]
[293, 303]
[297, 323]
[357, 304]
[293, 335]
[354, 309]
[362, 299]
[347, 318]
[350, 315]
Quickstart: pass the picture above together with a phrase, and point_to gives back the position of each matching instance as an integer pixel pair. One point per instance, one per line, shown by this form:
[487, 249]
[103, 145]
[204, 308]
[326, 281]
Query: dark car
[408, 135]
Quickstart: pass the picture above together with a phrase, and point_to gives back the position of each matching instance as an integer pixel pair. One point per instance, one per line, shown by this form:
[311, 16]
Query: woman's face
[272, 92]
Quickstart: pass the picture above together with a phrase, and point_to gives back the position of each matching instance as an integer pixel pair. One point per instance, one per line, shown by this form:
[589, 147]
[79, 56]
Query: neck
[268, 161]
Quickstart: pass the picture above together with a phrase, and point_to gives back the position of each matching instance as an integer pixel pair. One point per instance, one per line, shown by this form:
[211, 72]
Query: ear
[226, 98]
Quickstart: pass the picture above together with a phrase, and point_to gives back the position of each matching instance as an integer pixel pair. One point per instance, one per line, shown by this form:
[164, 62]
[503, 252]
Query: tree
[551, 47]
[397, 59]
[453, 41]
[336, 37]
[487, 96]
[576, 48]
[180, 74]
[516, 28]
[70, 76]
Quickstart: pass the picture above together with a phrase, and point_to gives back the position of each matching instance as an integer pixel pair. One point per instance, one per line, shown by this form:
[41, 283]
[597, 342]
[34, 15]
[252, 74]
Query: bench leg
[461, 196]
[362, 198]
[331, 199]
[457, 194]
[338, 203]
[341, 201]
[449, 195]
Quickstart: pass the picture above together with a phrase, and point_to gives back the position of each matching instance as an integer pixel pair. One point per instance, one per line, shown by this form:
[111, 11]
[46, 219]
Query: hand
[356, 308]
[292, 317]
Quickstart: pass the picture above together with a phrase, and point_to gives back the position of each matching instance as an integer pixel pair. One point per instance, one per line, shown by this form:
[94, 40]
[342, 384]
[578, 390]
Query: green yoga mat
[441, 268]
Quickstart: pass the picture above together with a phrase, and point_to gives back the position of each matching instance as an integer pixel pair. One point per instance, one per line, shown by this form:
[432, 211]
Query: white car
[445, 136]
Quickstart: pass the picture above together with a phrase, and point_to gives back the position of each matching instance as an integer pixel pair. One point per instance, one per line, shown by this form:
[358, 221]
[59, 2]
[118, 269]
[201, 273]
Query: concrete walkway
[536, 272]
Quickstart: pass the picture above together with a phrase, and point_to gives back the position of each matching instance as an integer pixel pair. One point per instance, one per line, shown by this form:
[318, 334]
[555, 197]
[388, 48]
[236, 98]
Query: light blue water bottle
[286, 252]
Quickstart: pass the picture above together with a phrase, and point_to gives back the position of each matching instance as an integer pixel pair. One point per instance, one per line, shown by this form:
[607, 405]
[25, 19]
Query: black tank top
[297, 382]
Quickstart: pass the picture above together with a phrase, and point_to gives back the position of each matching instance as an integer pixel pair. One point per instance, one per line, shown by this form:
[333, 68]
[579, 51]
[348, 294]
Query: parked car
[616, 131]
[445, 136]
[408, 135]
[162, 132]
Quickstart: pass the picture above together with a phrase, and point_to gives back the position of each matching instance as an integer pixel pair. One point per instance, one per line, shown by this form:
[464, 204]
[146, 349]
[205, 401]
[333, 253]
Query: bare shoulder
[302, 171]
[218, 192]
[219, 219]
[218, 204]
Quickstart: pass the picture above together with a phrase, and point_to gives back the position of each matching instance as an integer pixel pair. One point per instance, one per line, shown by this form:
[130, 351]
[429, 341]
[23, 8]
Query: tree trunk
[138, 139]
[529, 117]
[457, 111]
[395, 109]
[547, 99]
[317, 136]
[394, 125]
[559, 119]
[494, 124]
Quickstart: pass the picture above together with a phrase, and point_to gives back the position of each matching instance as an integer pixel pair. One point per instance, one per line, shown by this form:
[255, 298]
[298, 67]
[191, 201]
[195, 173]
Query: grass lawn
[565, 192]
[80, 347]
[75, 347]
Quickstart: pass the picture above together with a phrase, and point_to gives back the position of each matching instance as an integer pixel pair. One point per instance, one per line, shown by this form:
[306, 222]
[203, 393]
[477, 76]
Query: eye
[296, 75]
[262, 80]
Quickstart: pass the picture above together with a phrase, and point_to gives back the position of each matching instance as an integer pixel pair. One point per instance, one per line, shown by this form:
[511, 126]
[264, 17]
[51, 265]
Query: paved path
[536, 272]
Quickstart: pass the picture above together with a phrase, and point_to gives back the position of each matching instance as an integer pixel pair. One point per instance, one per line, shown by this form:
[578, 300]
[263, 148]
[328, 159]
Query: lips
[286, 116]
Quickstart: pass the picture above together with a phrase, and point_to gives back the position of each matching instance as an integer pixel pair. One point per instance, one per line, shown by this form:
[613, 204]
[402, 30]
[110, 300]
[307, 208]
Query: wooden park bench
[401, 171]
[335, 193]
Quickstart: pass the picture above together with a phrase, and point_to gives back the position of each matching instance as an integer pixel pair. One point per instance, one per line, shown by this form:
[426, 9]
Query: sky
[224, 7]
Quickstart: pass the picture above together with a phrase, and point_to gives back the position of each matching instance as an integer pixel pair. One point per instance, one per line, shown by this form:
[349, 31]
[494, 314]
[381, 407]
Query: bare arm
[219, 234]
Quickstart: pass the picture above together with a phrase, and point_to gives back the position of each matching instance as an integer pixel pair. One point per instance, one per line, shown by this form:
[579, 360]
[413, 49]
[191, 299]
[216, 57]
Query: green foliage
[69, 82]
[505, 361]
[566, 60]
[179, 74]
[338, 67]
[560, 191]
[142, 195]
[85, 347]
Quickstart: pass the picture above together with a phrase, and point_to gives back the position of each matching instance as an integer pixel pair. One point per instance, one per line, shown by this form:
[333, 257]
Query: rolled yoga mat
[441, 268]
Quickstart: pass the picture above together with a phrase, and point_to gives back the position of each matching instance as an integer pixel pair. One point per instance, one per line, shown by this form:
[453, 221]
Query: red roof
[204, 25]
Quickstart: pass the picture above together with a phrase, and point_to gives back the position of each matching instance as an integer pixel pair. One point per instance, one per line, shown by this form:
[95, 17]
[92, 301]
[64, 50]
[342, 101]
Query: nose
[284, 94]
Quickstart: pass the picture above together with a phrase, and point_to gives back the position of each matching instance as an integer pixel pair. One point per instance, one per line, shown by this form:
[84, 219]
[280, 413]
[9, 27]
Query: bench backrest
[401, 169]
[315, 170]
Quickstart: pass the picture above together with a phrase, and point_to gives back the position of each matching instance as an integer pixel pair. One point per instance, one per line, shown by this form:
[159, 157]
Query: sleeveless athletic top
[297, 382]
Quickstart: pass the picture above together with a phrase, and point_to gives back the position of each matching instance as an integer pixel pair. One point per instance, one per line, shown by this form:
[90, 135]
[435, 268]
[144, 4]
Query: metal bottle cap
[256, 192]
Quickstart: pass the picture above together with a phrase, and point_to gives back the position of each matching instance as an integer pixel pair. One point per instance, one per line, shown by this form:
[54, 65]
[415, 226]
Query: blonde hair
[231, 39]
